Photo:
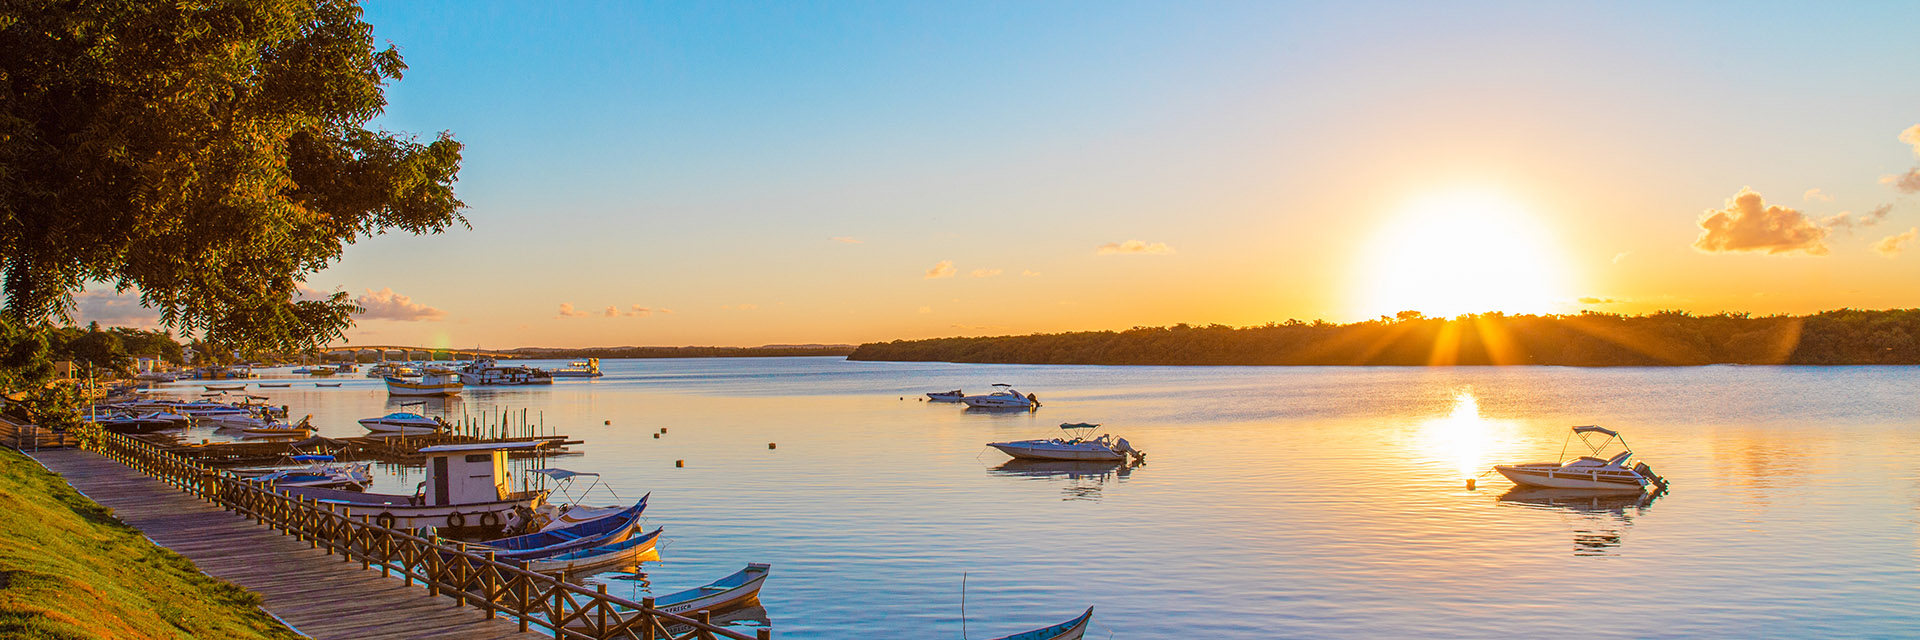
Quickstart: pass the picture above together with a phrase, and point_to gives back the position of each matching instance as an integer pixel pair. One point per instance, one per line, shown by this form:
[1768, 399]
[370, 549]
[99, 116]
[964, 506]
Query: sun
[1458, 254]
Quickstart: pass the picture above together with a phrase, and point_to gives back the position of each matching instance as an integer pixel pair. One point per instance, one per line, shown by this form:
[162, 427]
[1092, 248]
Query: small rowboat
[609, 557]
[1069, 630]
[225, 387]
[543, 544]
[281, 385]
[322, 384]
[737, 590]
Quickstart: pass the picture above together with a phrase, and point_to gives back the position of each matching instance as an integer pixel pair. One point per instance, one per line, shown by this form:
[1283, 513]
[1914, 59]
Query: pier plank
[316, 593]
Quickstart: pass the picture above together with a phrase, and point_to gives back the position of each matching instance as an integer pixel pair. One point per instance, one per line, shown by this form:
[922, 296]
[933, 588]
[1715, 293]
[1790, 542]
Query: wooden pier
[312, 591]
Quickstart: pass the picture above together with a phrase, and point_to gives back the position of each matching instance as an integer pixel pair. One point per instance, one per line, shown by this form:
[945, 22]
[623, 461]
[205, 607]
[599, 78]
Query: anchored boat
[1080, 445]
[1069, 630]
[955, 395]
[1004, 396]
[434, 383]
[589, 368]
[1618, 472]
[465, 493]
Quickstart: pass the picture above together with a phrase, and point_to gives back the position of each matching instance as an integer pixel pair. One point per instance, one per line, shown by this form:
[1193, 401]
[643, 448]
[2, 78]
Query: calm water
[1276, 502]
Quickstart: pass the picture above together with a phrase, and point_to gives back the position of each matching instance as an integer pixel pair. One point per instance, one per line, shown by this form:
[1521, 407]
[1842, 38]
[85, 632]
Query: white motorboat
[552, 516]
[402, 423]
[1619, 472]
[434, 383]
[1004, 396]
[465, 493]
[1079, 445]
[955, 395]
[323, 473]
[589, 368]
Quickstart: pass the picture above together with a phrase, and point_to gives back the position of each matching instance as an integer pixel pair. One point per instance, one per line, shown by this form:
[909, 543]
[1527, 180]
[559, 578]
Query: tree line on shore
[1665, 338]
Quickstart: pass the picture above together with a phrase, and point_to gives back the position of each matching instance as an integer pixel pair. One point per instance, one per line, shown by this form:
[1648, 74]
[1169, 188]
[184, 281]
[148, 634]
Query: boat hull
[399, 387]
[1026, 451]
[396, 511]
[1553, 477]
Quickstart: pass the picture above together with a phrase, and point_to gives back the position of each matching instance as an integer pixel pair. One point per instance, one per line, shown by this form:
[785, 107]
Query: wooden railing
[29, 437]
[500, 589]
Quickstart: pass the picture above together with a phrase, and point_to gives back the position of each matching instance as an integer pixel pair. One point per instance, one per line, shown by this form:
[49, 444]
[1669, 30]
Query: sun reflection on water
[1462, 437]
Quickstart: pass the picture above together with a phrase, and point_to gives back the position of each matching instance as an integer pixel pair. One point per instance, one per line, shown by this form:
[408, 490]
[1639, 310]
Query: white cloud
[612, 312]
[567, 311]
[1133, 246]
[113, 309]
[1891, 246]
[1816, 194]
[1912, 136]
[387, 305]
[1748, 224]
[943, 270]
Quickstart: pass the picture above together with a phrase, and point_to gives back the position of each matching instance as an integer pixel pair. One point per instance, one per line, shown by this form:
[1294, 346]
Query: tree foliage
[207, 154]
[1845, 336]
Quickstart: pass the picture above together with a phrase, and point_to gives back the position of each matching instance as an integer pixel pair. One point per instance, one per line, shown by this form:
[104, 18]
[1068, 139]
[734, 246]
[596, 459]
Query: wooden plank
[317, 593]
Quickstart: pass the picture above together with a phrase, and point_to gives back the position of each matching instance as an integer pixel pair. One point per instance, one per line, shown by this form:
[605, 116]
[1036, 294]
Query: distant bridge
[404, 352]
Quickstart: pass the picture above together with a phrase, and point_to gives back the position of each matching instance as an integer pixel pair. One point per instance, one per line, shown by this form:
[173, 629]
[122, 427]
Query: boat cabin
[469, 473]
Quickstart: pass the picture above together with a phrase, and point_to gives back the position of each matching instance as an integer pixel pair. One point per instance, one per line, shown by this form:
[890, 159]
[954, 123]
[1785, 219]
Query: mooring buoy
[1470, 483]
[679, 463]
[769, 445]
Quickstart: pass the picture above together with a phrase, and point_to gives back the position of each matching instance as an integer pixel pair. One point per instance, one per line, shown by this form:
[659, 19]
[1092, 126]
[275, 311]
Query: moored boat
[586, 535]
[465, 493]
[323, 472]
[1069, 630]
[434, 383]
[606, 557]
[1617, 472]
[589, 368]
[1080, 445]
[402, 423]
[955, 395]
[738, 590]
[488, 372]
[1004, 396]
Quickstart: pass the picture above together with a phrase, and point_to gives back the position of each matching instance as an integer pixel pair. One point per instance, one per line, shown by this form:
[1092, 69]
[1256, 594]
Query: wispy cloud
[1908, 182]
[1846, 220]
[387, 305]
[1133, 246]
[985, 273]
[1815, 194]
[113, 308]
[943, 270]
[1747, 224]
[638, 310]
[567, 311]
[846, 239]
[1891, 246]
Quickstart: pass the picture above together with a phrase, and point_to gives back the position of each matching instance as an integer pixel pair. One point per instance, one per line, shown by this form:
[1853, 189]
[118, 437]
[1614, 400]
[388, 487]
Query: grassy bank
[69, 570]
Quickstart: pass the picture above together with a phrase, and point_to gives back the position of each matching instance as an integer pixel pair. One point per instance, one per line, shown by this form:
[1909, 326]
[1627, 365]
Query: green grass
[68, 570]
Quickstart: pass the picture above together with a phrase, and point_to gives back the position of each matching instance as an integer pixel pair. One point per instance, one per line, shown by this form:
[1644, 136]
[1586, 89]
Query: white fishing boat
[402, 423]
[1070, 630]
[589, 368]
[465, 494]
[1616, 472]
[955, 395]
[1080, 444]
[433, 383]
[1004, 396]
[738, 590]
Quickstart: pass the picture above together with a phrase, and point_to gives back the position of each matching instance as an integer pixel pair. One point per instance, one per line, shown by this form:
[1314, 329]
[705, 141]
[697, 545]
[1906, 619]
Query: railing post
[488, 580]
[646, 613]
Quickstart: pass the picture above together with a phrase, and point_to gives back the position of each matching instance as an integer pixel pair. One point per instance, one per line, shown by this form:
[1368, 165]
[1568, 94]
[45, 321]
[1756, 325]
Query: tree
[209, 155]
[101, 349]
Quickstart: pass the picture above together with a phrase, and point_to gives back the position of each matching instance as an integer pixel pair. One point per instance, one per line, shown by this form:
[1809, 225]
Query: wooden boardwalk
[318, 594]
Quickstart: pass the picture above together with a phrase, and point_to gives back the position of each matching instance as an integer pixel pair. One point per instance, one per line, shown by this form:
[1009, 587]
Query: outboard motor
[1121, 445]
[1647, 472]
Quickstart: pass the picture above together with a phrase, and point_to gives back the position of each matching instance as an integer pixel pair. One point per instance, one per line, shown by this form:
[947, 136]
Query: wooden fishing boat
[434, 383]
[1069, 630]
[279, 385]
[225, 387]
[541, 544]
[607, 557]
[323, 384]
[738, 590]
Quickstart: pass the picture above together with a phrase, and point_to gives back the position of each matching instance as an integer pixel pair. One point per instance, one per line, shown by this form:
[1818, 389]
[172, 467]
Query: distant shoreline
[1665, 339]
[614, 353]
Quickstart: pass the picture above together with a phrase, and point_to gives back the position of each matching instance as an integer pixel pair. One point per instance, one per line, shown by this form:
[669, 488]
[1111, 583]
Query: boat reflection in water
[749, 617]
[1084, 478]
[1599, 518]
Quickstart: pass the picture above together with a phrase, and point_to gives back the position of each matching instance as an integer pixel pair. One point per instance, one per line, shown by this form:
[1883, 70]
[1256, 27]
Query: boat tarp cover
[313, 458]
[562, 474]
[616, 547]
[1595, 429]
[1079, 425]
[590, 528]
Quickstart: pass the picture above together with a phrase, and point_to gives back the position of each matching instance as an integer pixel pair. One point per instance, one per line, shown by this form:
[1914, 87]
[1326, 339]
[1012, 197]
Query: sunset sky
[733, 174]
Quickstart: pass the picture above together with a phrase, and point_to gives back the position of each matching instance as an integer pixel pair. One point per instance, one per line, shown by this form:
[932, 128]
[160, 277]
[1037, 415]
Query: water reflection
[1084, 479]
[1463, 437]
[1599, 519]
[752, 616]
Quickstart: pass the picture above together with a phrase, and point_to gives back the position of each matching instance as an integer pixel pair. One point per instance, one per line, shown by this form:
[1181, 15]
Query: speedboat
[1069, 630]
[402, 423]
[1079, 445]
[1619, 472]
[947, 396]
[1003, 397]
[323, 473]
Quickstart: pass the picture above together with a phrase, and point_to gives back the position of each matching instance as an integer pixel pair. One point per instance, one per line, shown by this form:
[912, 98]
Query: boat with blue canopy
[607, 557]
[586, 535]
